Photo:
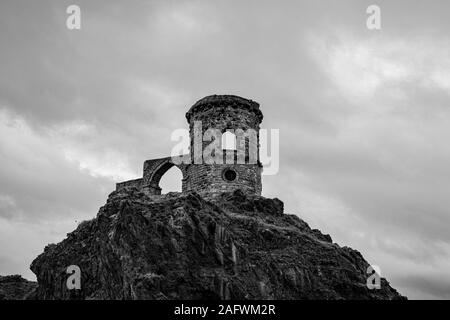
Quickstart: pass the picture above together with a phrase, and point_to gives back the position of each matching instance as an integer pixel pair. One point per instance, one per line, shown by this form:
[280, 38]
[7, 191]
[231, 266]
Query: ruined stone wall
[130, 183]
[153, 171]
[222, 113]
[209, 179]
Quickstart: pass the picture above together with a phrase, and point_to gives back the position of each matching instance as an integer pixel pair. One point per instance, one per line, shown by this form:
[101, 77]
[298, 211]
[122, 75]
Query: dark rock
[182, 246]
[16, 288]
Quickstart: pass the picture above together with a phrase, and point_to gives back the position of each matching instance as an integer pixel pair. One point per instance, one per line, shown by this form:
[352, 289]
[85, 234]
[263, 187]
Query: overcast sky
[363, 115]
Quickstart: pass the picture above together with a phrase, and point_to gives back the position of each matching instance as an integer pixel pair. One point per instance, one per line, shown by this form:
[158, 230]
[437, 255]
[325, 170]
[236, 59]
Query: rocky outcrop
[16, 288]
[182, 246]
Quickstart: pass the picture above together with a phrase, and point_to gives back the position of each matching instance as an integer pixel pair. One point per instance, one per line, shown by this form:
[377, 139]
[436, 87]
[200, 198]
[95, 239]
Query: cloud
[21, 242]
[37, 180]
[362, 67]
[380, 167]
[75, 141]
[43, 194]
[363, 116]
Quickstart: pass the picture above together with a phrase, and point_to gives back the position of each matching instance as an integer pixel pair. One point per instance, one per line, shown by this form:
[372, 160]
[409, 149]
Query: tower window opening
[228, 141]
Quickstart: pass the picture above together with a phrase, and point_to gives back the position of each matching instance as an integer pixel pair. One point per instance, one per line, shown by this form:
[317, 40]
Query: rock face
[16, 288]
[182, 246]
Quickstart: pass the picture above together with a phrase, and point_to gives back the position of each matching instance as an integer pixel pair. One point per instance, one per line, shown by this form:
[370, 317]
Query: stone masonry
[224, 113]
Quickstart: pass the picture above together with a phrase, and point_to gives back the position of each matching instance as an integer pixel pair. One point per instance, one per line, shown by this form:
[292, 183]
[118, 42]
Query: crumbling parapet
[137, 183]
[223, 113]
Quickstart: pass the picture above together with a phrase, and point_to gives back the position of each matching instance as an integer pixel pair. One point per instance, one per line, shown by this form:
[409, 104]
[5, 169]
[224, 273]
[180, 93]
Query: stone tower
[226, 113]
[240, 167]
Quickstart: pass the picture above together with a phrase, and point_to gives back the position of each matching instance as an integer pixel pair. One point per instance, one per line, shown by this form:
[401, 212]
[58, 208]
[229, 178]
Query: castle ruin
[221, 112]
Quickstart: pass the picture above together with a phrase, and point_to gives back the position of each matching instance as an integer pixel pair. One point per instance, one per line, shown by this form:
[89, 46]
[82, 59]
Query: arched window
[228, 141]
[171, 180]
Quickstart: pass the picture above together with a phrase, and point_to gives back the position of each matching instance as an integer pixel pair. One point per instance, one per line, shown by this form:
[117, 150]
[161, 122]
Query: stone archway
[153, 172]
[171, 181]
